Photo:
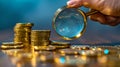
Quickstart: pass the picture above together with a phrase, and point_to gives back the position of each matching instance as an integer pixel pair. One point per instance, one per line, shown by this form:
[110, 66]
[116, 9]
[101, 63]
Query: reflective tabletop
[23, 58]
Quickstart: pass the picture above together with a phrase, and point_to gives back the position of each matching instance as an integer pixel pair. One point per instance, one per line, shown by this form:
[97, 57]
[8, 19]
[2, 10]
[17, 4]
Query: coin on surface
[11, 45]
[88, 52]
[44, 48]
[80, 47]
[60, 45]
[69, 51]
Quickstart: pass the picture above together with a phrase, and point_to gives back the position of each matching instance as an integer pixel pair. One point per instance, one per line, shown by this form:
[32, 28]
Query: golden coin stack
[28, 32]
[22, 32]
[19, 32]
[40, 37]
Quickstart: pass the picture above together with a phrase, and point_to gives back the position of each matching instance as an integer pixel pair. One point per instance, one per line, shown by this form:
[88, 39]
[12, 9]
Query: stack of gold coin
[19, 32]
[28, 32]
[44, 48]
[40, 37]
[22, 32]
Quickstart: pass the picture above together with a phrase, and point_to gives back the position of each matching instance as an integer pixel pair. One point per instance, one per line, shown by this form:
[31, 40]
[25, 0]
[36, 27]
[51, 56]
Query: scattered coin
[80, 47]
[69, 51]
[60, 45]
[11, 45]
[44, 48]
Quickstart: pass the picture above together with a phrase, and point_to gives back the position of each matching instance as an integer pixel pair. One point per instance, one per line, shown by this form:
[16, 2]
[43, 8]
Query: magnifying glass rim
[85, 23]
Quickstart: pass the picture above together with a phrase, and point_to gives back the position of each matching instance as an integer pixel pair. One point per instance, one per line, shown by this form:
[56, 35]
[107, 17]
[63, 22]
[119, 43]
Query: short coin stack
[40, 38]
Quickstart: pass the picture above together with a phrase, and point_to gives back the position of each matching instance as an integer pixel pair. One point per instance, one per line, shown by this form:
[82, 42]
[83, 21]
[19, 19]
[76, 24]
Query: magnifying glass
[70, 23]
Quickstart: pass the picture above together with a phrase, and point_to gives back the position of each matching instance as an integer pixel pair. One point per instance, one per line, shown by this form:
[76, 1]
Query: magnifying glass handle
[91, 12]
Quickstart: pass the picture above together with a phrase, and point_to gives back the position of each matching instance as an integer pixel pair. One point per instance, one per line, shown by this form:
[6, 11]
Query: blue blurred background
[41, 12]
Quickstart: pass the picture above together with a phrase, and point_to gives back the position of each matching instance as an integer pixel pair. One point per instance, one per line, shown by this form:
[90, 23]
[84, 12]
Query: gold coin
[40, 35]
[60, 47]
[57, 42]
[90, 53]
[39, 39]
[19, 25]
[20, 31]
[19, 36]
[28, 30]
[11, 45]
[60, 44]
[69, 51]
[44, 48]
[40, 32]
[36, 31]
[80, 47]
[39, 43]
[30, 24]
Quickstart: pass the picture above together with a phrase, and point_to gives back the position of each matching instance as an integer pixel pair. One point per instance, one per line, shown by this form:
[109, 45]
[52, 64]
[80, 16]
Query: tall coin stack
[40, 37]
[22, 33]
[28, 32]
[19, 33]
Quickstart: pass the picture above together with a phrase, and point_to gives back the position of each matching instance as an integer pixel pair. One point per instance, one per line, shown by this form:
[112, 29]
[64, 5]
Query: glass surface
[69, 23]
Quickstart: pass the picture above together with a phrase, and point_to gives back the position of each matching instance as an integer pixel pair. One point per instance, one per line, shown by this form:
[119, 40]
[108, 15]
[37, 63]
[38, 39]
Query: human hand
[109, 10]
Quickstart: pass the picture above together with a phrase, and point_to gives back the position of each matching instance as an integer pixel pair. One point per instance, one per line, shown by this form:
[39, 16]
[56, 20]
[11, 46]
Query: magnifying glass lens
[69, 23]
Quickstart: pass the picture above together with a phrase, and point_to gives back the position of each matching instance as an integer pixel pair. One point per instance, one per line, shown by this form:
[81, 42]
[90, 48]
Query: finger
[93, 4]
[107, 7]
[116, 22]
[98, 17]
[110, 19]
[74, 3]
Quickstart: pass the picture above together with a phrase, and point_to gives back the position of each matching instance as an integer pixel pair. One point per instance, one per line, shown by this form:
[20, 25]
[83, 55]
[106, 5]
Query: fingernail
[70, 2]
